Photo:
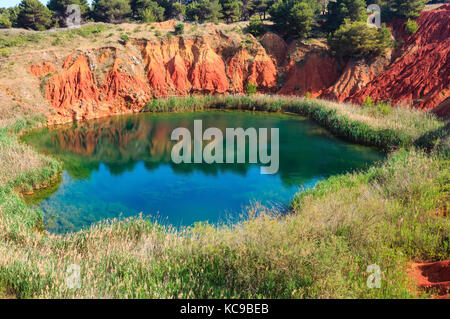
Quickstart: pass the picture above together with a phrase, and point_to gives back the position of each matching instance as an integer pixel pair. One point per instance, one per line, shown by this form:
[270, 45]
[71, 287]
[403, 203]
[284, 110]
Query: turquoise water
[121, 167]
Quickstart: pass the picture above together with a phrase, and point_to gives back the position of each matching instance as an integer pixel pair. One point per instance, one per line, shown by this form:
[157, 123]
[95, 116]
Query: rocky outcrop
[123, 78]
[310, 70]
[421, 74]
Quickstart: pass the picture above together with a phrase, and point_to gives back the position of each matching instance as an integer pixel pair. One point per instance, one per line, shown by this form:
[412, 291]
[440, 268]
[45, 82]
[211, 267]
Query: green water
[121, 167]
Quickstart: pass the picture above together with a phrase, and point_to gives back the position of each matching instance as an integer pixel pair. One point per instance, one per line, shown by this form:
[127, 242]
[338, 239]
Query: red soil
[433, 277]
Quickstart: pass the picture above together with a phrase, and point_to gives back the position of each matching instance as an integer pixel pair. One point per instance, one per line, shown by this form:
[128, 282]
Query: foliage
[341, 10]
[177, 11]
[179, 28]
[34, 15]
[251, 88]
[59, 7]
[231, 10]
[256, 26]
[147, 11]
[407, 8]
[5, 22]
[204, 11]
[293, 17]
[113, 11]
[357, 40]
[411, 26]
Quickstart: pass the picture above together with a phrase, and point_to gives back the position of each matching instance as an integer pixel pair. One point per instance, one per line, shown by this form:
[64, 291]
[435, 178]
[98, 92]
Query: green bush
[357, 40]
[251, 88]
[125, 38]
[179, 28]
[256, 26]
[411, 26]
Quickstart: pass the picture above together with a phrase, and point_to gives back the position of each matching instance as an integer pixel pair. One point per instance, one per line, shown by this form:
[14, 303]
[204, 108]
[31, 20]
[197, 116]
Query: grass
[386, 215]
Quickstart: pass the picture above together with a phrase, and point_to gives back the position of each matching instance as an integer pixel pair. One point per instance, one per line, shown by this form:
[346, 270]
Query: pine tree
[113, 11]
[231, 10]
[34, 15]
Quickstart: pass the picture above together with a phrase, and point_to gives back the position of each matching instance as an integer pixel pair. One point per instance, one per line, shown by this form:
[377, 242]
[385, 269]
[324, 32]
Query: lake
[121, 167]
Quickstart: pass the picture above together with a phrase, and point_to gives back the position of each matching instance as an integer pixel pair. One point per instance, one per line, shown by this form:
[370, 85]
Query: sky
[12, 3]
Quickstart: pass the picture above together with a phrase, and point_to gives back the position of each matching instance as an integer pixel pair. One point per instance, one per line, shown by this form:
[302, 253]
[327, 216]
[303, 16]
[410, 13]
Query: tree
[292, 17]
[339, 11]
[34, 15]
[113, 11]
[407, 8]
[247, 9]
[231, 10]
[256, 26]
[147, 11]
[59, 7]
[262, 7]
[204, 11]
[5, 23]
[177, 11]
[357, 40]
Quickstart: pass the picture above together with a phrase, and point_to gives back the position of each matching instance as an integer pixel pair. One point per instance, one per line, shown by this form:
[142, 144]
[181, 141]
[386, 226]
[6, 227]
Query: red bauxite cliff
[116, 80]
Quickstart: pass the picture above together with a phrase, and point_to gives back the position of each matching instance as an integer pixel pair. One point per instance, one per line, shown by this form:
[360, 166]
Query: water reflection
[123, 164]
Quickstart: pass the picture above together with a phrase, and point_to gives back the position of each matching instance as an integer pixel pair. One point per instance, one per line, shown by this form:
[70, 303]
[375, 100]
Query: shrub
[179, 28]
[256, 26]
[125, 38]
[251, 88]
[356, 39]
[411, 26]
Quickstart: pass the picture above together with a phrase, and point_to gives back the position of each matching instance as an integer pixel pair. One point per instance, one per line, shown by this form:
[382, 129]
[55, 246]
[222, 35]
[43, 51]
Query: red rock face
[111, 81]
[421, 75]
[41, 70]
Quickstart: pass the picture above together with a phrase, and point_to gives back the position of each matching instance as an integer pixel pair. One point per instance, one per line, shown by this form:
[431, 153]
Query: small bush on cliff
[411, 26]
[179, 28]
[357, 40]
[251, 88]
[256, 26]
